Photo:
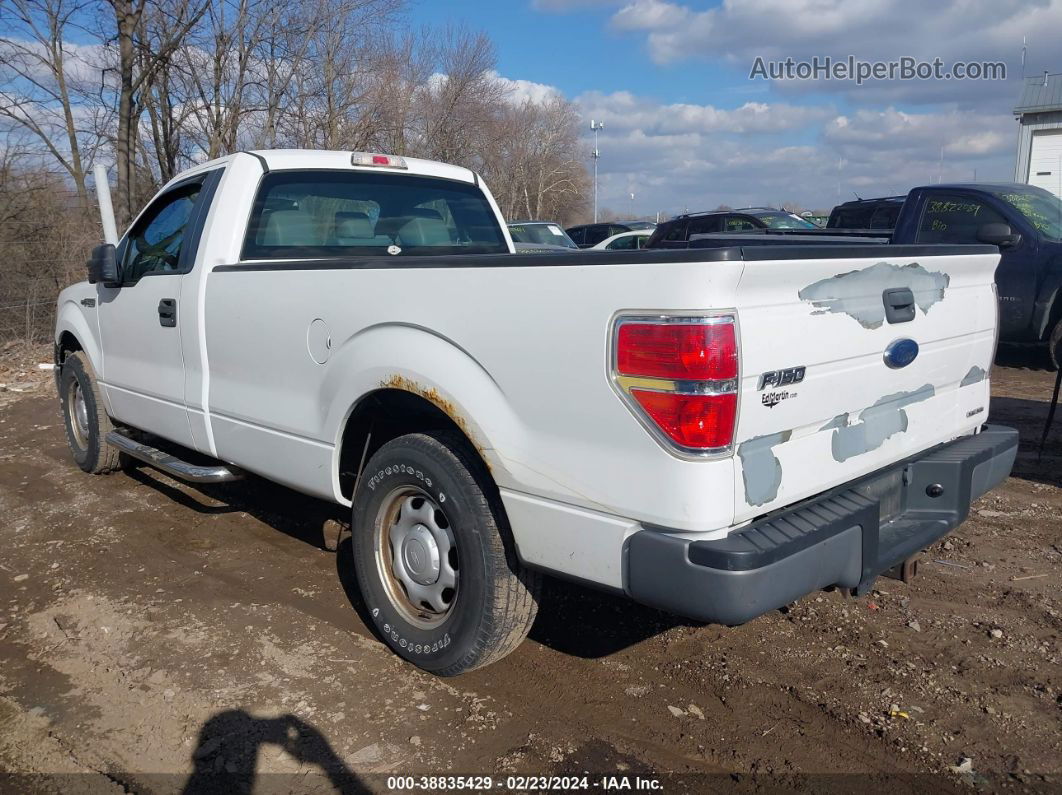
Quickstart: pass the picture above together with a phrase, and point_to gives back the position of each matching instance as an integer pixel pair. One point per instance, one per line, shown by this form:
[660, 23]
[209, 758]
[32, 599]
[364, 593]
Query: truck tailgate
[821, 401]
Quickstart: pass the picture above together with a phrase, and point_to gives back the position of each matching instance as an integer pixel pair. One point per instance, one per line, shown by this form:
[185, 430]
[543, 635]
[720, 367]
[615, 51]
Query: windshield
[550, 234]
[779, 220]
[1042, 209]
[302, 214]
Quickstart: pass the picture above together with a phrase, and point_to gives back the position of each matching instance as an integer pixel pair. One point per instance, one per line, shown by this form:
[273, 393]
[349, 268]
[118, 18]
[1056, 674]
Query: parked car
[677, 232]
[544, 233]
[714, 432]
[589, 235]
[866, 213]
[625, 241]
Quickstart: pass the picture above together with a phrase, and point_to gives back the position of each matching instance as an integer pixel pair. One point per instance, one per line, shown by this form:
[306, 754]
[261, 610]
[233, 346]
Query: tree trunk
[127, 18]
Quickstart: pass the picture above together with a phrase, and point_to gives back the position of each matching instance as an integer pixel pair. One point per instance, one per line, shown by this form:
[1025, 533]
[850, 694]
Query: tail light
[680, 377]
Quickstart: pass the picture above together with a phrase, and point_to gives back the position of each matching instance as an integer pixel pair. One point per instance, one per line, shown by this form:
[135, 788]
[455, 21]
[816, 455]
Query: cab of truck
[1025, 222]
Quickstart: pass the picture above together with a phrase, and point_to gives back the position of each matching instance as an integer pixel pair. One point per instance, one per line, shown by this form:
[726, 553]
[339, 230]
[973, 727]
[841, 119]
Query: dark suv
[589, 235]
[677, 232]
[866, 213]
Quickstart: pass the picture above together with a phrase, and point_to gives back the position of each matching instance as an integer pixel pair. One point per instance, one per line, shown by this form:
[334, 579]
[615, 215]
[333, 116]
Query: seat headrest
[290, 228]
[424, 232]
[353, 225]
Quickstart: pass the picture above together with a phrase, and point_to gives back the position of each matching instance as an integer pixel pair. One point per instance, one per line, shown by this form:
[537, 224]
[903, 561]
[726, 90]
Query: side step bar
[171, 464]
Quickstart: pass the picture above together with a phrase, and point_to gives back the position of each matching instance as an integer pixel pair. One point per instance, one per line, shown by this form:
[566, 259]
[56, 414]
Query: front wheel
[434, 556]
[84, 416]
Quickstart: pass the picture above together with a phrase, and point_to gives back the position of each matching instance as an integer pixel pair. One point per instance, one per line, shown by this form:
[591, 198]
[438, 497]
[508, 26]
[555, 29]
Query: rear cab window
[310, 214]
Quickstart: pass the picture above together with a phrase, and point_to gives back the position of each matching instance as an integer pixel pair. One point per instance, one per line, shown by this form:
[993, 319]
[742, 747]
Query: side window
[884, 217]
[623, 243]
[615, 230]
[954, 219]
[705, 225]
[676, 231]
[737, 223]
[577, 234]
[154, 244]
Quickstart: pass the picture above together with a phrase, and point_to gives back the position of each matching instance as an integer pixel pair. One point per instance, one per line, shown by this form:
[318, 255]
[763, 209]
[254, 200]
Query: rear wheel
[1054, 346]
[84, 417]
[434, 556]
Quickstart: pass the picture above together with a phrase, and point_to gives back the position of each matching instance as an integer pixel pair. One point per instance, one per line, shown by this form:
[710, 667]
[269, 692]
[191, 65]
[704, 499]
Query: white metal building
[1039, 114]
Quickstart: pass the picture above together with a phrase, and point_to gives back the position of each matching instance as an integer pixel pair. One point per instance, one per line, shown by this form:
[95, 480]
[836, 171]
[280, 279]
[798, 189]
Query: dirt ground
[158, 637]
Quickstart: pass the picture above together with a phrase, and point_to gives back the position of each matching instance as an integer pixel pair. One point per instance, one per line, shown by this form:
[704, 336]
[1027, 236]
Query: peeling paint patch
[858, 294]
[975, 376]
[760, 468]
[840, 421]
[876, 424]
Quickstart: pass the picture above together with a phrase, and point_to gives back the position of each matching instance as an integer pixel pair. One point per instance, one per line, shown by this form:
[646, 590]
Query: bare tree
[149, 33]
[35, 92]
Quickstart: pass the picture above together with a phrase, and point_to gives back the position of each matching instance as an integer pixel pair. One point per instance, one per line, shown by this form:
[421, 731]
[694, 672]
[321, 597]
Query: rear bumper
[846, 537]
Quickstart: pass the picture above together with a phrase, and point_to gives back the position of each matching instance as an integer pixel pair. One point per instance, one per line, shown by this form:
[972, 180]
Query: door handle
[168, 312]
[899, 304]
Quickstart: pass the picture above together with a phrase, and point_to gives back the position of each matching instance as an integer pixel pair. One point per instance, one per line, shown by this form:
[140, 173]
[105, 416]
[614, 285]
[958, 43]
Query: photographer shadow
[229, 744]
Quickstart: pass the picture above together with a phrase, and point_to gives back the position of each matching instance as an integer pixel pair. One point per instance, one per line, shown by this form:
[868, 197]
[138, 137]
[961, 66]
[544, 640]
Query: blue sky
[685, 127]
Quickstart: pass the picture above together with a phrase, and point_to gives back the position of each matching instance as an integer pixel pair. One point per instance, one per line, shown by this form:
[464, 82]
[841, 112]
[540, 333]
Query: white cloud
[623, 110]
[960, 133]
[679, 156]
[737, 31]
[520, 91]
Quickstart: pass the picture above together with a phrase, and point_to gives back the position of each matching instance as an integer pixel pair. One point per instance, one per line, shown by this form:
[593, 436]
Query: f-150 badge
[791, 375]
[779, 378]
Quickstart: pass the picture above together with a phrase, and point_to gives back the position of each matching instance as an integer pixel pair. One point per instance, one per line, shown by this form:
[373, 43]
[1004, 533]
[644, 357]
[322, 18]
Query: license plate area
[888, 490]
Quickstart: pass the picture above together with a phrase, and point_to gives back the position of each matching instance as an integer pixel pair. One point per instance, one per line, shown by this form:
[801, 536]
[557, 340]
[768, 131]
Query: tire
[84, 417]
[491, 605]
[1054, 347]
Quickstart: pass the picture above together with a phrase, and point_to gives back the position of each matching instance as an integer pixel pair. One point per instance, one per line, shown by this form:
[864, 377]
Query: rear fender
[416, 360]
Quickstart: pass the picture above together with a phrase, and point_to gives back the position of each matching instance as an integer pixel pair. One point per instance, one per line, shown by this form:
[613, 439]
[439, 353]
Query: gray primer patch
[840, 421]
[858, 293]
[760, 469]
[975, 376]
[877, 423]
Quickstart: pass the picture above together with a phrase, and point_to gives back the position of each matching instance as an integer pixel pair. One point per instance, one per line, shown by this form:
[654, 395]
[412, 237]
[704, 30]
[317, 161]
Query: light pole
[631, 213]
[595, 126]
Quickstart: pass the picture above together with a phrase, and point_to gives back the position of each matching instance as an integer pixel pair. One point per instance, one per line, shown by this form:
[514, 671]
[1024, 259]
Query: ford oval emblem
[901, 353]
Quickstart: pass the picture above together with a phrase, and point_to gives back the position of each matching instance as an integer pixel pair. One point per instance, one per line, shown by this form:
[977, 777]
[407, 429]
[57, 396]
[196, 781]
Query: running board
[171, 464]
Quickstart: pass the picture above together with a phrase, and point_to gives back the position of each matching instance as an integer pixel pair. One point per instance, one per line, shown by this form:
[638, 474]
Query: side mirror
[103, 266]
[998, 235]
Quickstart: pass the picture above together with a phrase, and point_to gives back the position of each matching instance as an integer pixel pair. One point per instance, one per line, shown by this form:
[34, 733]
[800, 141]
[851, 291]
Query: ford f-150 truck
[713, 432]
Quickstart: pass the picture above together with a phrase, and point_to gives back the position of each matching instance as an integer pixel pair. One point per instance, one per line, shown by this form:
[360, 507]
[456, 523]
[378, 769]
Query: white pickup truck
[714, 432]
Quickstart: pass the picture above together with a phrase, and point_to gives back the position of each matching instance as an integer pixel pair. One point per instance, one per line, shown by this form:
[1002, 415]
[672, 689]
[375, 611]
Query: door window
[955, 219]
[623, 243]
[154, 243]
[738, 223]
[577, 234]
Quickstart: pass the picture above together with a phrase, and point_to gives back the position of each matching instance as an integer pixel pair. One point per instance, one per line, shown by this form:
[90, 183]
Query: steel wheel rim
[78, 410]
[416, 556]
